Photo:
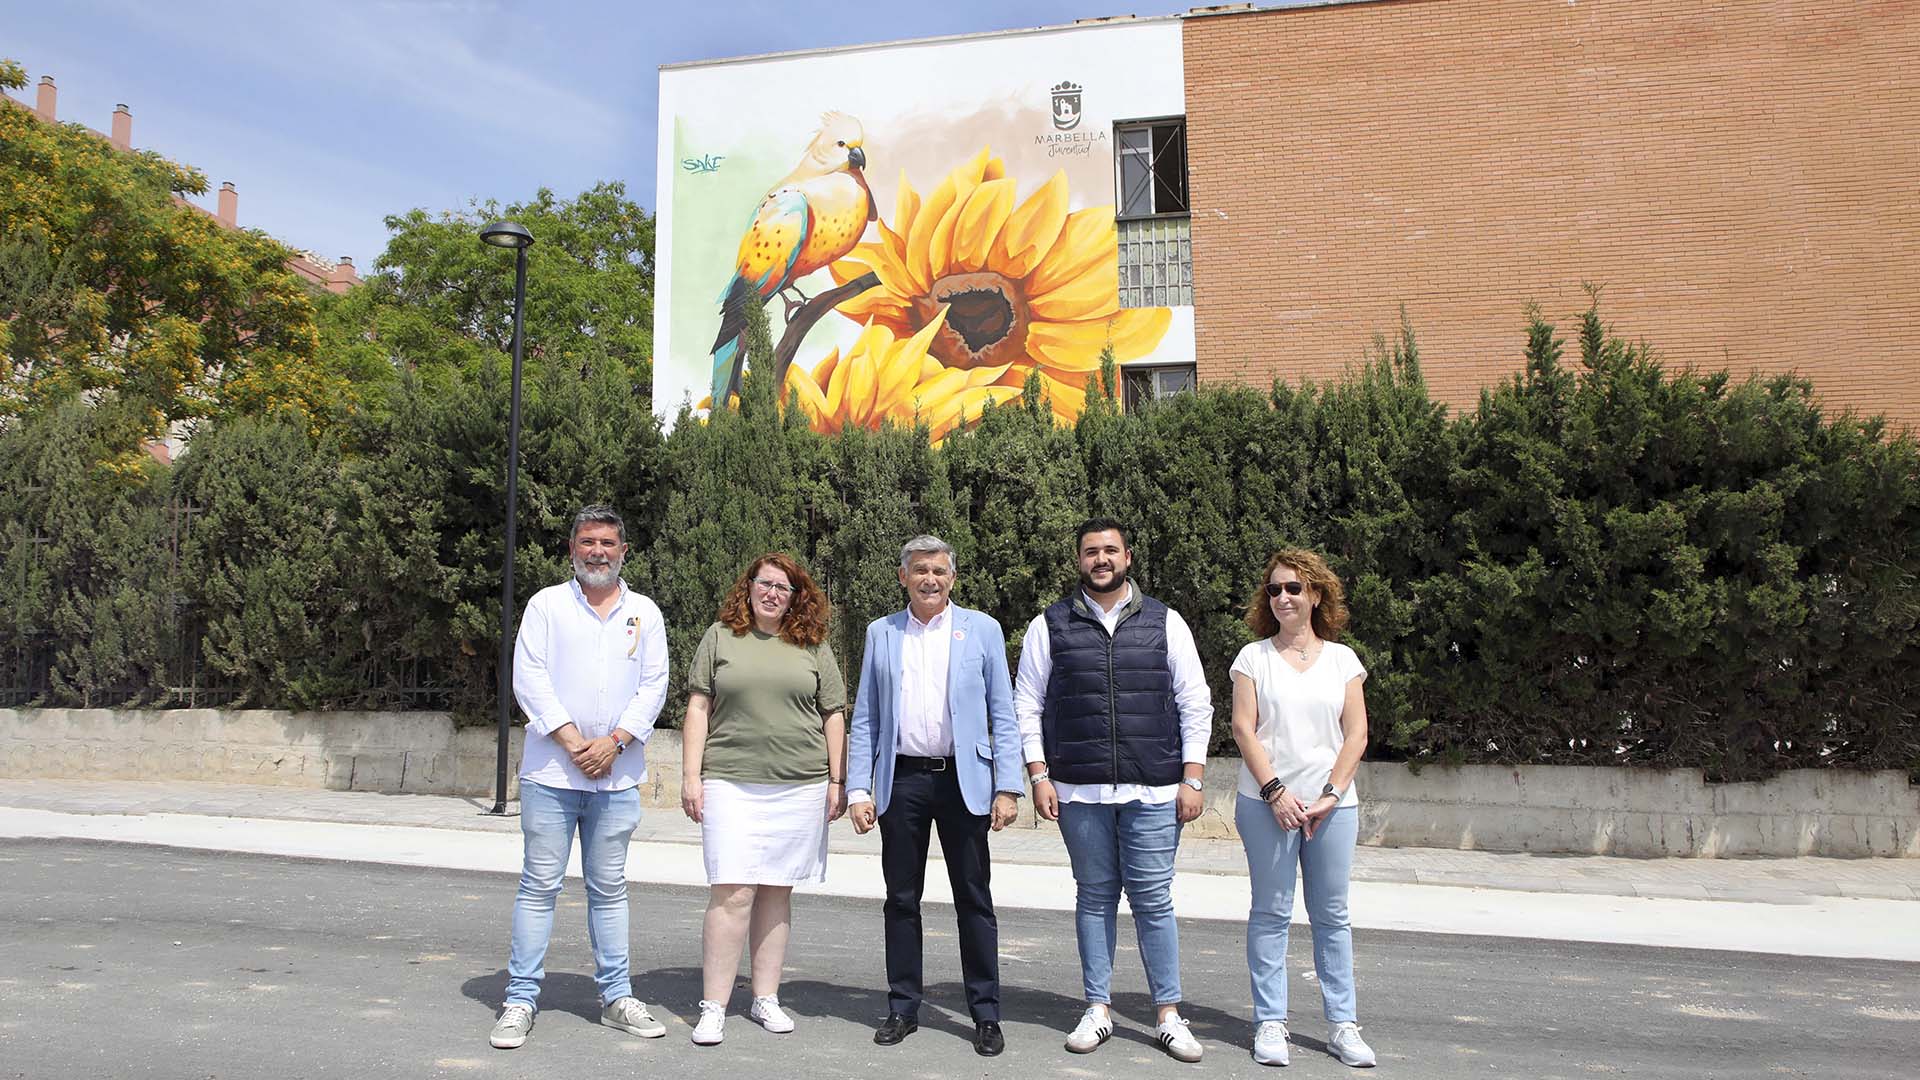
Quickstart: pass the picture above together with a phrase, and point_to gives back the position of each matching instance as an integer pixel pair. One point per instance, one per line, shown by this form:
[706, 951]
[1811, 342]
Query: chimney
[44, 103]
[344, 276]
[122, 128]
[229, 213]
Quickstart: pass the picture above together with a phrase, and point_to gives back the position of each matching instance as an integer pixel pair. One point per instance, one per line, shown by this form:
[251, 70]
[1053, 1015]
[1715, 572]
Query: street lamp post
[509, 234]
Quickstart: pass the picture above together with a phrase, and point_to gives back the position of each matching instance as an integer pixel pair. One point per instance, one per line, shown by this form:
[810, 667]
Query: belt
[909, 763]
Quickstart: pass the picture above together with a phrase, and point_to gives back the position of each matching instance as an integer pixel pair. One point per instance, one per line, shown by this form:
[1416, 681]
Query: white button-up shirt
[570, 666]
[1189, 693]
[925, 713]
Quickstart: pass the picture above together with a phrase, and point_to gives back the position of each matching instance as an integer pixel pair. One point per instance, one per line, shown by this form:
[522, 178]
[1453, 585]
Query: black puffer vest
[1110, 716]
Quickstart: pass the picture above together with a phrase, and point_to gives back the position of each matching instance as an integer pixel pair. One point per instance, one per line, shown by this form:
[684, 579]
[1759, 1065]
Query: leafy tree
[113, 287]
[440, 300]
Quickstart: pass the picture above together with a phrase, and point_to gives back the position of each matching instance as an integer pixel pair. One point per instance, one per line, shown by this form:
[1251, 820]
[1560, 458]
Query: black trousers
[923, 801]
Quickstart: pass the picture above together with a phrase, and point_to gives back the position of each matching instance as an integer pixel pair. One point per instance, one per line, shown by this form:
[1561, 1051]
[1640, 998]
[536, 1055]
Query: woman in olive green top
[764, 772]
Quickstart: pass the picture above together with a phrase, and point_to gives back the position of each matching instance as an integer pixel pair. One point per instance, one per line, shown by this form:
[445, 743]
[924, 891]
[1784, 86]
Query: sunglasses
[1291, 588]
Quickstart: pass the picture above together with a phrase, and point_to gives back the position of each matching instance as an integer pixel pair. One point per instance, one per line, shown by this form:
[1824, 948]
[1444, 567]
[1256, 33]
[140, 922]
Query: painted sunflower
[884, 377]
[1023, 286]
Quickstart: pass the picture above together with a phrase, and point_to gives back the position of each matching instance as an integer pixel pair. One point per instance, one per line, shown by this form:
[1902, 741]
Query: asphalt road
[123, 961]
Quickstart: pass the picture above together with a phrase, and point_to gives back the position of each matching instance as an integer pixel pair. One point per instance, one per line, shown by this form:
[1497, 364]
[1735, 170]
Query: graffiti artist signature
[708, 164]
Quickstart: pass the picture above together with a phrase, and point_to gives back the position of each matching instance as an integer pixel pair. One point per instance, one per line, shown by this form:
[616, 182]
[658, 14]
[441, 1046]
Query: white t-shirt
[1299, 718]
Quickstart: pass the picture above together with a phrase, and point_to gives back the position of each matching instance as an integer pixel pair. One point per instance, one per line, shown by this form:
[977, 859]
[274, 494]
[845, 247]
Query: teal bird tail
[730, 347]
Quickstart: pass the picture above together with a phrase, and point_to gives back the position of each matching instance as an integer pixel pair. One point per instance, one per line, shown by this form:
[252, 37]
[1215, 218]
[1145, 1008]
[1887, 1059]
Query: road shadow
[944, 1009]
[676, 990]
[560, 991]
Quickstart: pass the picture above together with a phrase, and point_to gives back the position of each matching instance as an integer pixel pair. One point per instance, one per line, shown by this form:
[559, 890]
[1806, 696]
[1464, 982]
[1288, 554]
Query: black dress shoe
[987, 1040]
[897, 1027]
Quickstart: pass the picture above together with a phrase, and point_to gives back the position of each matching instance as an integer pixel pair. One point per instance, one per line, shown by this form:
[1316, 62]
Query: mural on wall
[920, 297]
[814, 215]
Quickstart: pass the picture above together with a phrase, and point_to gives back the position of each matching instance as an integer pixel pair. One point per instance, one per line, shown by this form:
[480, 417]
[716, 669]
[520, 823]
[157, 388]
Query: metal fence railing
[183, 680]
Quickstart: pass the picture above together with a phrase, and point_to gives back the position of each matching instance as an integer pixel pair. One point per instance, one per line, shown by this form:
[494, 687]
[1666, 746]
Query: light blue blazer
[986, 738]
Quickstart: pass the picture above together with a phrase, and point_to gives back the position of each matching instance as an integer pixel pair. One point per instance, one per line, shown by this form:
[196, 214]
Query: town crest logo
[1066, 106]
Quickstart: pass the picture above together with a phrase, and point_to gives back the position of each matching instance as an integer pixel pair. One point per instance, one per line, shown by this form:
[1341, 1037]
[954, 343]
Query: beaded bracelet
[1270, 789]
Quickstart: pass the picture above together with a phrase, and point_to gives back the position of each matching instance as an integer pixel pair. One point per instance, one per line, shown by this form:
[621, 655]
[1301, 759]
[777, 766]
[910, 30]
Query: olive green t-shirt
[768, 697]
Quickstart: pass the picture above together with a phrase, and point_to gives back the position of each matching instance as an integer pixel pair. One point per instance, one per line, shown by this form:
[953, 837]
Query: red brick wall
[1741, 178]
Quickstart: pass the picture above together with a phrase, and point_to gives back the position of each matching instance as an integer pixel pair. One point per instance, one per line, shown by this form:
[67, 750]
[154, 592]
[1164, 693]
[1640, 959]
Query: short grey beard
[597, 579]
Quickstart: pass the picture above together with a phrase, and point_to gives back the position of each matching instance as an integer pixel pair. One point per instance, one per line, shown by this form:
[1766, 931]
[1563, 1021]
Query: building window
[1156, 252]
[1153, 167]
[1141, 383]
[1156, 263]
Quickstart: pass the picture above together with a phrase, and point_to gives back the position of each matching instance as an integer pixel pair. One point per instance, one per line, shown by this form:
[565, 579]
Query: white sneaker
[511, 1030]
[1270, 1046]
[630, 1015]
[1096, 1027]
[1344, 1042]
[711, 1028]
[1177, 1040]
[766, 1012]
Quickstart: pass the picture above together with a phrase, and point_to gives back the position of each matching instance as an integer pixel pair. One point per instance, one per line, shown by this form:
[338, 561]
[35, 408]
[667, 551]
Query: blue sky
[329, 116]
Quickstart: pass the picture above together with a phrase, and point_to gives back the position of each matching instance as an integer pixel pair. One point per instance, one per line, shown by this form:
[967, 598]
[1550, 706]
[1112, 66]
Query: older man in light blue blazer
[935, 747]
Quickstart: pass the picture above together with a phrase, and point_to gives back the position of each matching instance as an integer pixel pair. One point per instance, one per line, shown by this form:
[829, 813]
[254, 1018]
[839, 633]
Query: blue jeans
[1326, 864]
[548, 819]
[1127, 844]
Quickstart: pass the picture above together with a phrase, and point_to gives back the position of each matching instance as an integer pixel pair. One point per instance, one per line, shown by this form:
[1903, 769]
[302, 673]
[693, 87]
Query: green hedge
[1605, 562]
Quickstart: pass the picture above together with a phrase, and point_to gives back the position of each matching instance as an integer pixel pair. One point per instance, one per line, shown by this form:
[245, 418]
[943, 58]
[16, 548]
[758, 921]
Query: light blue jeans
[1127, 844]
[549, 817]
[1326, 864]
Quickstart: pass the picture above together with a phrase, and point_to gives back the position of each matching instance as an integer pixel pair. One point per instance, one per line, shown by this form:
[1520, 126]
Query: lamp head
[507, 234]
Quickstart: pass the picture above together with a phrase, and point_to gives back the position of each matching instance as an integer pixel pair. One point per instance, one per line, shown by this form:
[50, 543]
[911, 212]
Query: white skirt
[764, 834]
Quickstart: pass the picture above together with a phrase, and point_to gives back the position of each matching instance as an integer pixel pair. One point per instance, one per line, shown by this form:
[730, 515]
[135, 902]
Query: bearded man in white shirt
[1115, 718]
[590, 673]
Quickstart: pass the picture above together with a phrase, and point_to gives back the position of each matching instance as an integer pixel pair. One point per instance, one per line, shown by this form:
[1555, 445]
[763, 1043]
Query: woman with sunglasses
[1301, 723]
[764, 771]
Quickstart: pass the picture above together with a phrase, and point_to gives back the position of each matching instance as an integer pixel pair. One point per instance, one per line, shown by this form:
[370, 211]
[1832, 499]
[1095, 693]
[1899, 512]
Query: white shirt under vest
[1189, 693]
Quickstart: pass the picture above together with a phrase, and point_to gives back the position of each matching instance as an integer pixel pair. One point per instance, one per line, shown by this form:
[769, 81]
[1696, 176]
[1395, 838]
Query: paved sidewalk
[1770, 881]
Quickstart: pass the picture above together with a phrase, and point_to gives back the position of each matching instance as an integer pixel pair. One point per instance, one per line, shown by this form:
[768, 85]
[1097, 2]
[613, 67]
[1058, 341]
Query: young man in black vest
[1115, 718]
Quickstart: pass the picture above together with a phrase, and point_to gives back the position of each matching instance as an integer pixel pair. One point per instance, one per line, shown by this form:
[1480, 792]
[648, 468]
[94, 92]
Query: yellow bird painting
[816, 214]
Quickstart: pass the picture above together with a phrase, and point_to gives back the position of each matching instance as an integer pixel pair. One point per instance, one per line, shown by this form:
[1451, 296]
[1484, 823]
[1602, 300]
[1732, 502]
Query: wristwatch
[1193, 782]
[1331, 790]
[619, 745]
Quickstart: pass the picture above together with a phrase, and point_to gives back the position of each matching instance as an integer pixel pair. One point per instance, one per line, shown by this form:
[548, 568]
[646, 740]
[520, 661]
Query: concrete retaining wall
[416, 752]
[1634, 812]
[1640, 812]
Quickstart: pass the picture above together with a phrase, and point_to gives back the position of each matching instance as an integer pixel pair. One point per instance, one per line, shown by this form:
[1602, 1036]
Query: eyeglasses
[773, 586]
[1291, 588]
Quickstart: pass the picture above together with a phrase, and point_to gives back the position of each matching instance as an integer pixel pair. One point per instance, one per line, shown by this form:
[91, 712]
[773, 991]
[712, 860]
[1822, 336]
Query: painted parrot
[813, 216]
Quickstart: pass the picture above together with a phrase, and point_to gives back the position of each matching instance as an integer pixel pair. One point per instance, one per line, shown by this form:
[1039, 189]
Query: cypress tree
[739, 484]
[89, 576]
[257, 563]
[1019, 485]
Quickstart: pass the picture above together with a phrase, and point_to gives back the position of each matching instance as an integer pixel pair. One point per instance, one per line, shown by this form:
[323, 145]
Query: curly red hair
[805, 623]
